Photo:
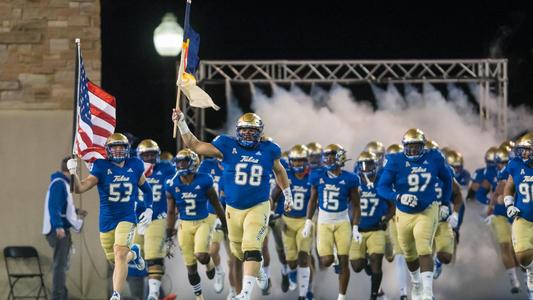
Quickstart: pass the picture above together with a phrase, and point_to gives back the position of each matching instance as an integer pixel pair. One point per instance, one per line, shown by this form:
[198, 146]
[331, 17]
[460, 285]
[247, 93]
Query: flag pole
[75, 108]
[183, 56]
[178, 81]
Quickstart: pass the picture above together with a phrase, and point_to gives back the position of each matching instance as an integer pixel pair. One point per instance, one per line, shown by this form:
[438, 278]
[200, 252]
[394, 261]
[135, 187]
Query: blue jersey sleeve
[386, 180]
[355, 181]
[221, 142]
[96, 170]
[276, 152]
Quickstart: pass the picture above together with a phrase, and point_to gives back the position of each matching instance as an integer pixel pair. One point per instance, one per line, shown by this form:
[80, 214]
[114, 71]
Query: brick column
[37, 51]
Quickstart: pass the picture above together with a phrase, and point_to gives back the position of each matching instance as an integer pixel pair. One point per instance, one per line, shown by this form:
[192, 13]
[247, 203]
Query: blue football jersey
[500, 209]
[333, 193]
[162, 172]
[522, 175]
[118, 190]
[463, 177]
[301, 192]
[191, 199]
[416, 177]
[373, 207]
[247, 171]
[211, 166]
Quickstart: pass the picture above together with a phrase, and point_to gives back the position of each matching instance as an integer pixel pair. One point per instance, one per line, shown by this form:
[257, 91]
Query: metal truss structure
[489, 74]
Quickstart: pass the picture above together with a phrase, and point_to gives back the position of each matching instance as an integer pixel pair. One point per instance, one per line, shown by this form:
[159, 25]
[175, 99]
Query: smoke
[294, 117]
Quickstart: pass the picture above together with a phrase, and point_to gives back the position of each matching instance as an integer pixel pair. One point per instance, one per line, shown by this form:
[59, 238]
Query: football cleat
[413, 143]
[262, 280]
[148, 151]
[251, 138]
[437, 268]
[114, 154]
[219, 281]
[115, 296]
[284, 283]
[186, 162]
[138, 261]
[416, 291]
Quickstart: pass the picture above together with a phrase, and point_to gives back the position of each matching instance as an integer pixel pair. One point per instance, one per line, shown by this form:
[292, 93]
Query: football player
[315, 155]
[375, 214]
[399, 259]
[189, 192]
[335, 189]
[409, 178]
[214, 168]
[480, 185]
[117, 178]
[378, 149]
[500, 223]
[297, 247]
[248, 162]
[448, 222]
[520, 184]
[151, 237]
[462, 176]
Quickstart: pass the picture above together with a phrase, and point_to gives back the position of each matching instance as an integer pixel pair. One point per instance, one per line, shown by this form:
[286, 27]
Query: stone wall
[37, 51]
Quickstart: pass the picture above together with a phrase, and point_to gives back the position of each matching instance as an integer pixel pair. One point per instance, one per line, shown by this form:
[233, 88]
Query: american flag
[96, 119]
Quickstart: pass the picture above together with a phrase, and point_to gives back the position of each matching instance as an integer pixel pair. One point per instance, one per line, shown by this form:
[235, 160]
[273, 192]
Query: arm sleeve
[56, 201]
[276, 152]
[384, 187]
[147, 194]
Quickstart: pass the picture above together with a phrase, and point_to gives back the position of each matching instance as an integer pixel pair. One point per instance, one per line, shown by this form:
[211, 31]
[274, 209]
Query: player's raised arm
[84, 185]
[190, 141]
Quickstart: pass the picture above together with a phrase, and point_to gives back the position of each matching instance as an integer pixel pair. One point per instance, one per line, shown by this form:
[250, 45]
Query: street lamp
[168, 36]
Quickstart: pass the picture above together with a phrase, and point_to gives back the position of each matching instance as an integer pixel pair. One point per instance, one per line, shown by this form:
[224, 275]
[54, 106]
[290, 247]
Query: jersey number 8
[242, 177]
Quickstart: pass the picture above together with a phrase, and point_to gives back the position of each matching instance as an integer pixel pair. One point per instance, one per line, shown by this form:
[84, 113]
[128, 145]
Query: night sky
[144, 82]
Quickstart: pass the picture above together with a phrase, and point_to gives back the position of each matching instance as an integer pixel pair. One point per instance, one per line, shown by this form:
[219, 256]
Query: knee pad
[156, 267]
[253, 255]
[194, 279]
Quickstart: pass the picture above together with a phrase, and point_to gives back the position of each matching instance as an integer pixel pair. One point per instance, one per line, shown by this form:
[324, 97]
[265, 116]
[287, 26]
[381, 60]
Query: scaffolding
[489, 74]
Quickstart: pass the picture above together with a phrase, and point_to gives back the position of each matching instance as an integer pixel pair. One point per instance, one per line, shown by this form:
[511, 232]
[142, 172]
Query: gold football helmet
[249, 138]
[509, 145]
[148, 151]
[187, 162]
[376, 147]
[502, 155]
[413, 143]
[166, 156]
[315, 154]
[524, 147]
[334, 156]
[367, 163]
[117, 155]
[431, 144]
[394, 148]
[298, 158]
[490, 155]
[454, 158]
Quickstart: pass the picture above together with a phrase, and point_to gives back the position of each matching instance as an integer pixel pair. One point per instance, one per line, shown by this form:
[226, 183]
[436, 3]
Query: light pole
[168, 36]
[168, 40]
